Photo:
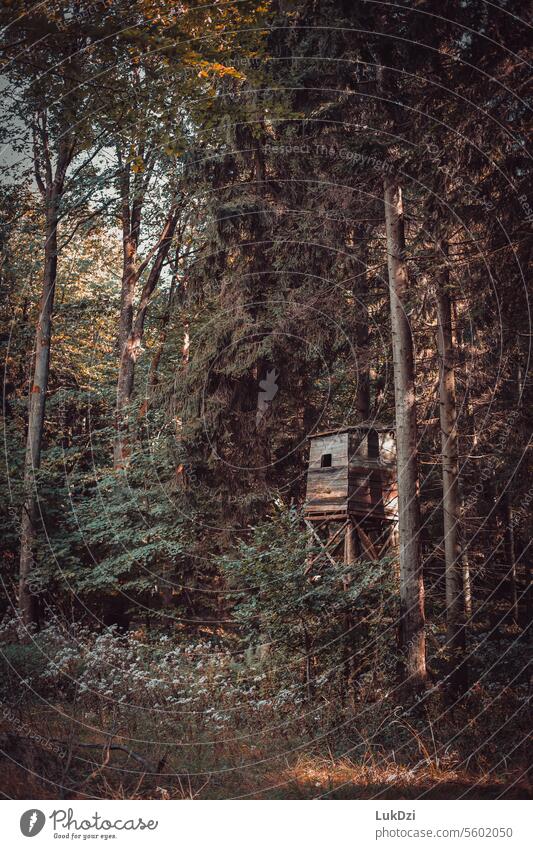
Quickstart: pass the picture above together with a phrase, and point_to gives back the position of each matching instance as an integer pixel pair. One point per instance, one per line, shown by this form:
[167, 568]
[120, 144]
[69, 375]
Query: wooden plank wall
[327, 488]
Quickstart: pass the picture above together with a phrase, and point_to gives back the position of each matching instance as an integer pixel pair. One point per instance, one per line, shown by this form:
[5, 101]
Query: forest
[265, 331]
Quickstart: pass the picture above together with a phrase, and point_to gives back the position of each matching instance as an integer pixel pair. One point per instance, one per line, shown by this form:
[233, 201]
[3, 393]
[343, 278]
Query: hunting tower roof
[378, 426]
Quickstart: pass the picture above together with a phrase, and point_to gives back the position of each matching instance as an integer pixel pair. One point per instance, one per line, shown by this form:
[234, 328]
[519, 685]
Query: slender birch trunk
[411, 581]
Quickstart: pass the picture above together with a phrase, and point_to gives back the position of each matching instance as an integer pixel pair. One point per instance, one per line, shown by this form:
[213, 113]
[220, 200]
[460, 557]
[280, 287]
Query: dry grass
[239, 771]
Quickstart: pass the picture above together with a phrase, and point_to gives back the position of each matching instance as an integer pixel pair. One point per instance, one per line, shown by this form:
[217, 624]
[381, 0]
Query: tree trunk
[510, 556]
[467, 585]
[131, 331]
[362, 334]
[455, 628]
[36, 407]
[126, 371]
[528, 594]
[130, 240]
[411, 580]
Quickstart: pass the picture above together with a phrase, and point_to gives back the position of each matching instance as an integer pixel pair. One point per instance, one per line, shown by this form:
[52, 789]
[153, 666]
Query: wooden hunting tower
[351, 480]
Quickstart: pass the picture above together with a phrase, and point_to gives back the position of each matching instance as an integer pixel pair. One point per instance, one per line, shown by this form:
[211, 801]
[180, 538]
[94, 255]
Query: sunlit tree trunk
[411, 581]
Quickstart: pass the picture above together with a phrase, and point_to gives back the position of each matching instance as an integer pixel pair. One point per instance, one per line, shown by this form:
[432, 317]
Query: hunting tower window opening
[325, 462]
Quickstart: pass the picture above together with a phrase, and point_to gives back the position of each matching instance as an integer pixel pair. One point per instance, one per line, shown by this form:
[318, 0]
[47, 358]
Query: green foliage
[324, 611]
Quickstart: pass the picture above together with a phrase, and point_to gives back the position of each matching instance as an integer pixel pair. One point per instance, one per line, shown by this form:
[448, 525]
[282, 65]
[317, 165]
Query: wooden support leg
[350, 544]
[309, 545]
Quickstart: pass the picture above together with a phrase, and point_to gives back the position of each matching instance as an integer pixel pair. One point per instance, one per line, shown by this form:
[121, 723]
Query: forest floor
[30, 769]
[309, 778]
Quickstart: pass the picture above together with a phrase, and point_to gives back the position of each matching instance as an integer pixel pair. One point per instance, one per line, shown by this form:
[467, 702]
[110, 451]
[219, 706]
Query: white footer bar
[268, 824]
